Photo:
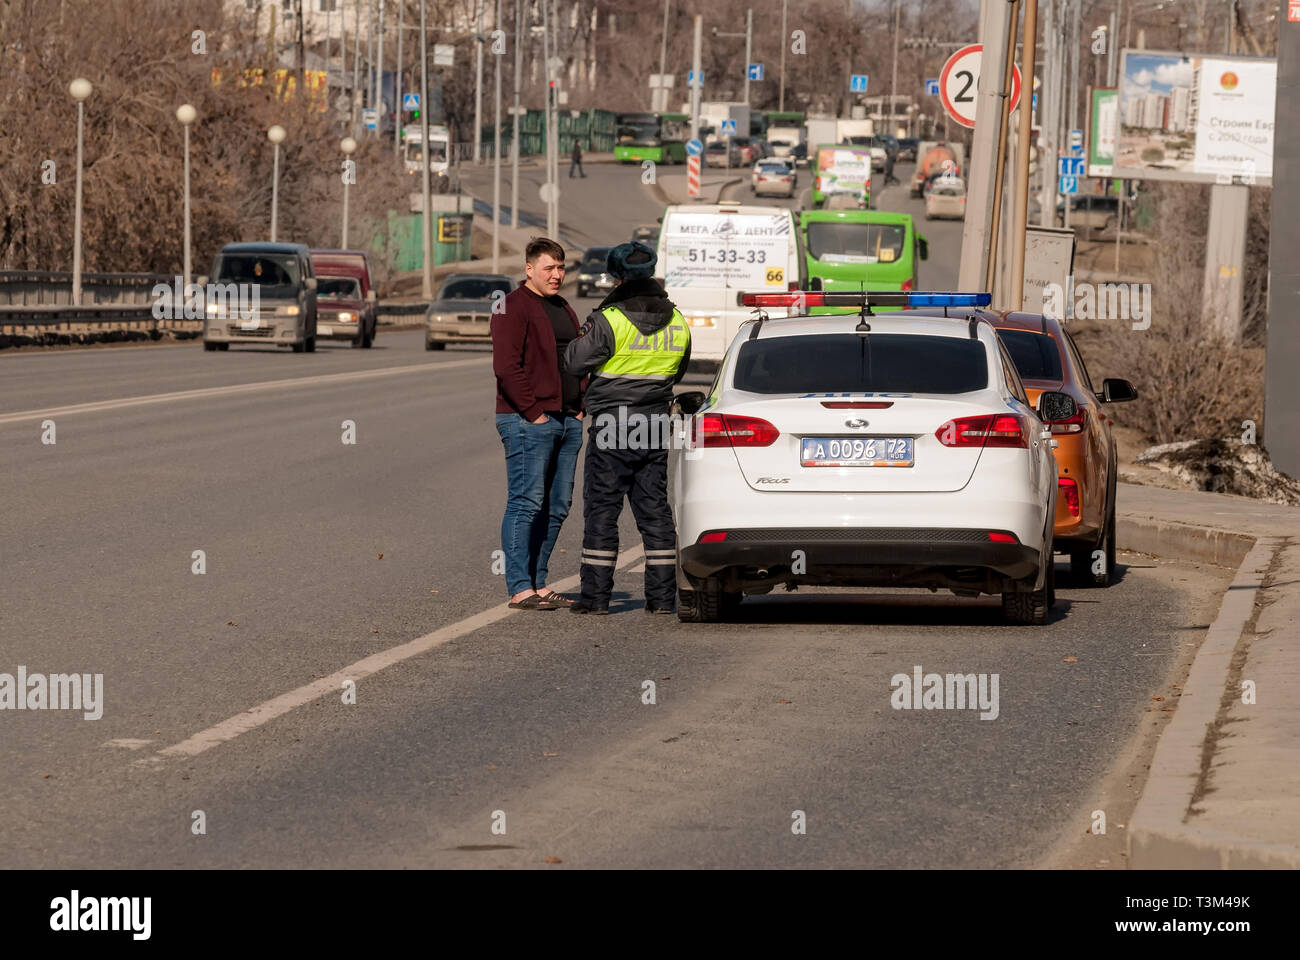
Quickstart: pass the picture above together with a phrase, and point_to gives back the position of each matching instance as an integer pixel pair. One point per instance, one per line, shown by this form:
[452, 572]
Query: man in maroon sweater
[539, 420]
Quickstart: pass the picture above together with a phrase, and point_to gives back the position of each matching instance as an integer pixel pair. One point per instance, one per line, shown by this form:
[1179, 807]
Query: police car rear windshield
[847, 363]
[1035, 355]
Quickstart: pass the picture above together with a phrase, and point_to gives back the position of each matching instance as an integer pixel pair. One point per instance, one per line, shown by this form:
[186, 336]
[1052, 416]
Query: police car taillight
[985, 430]
[730, 430]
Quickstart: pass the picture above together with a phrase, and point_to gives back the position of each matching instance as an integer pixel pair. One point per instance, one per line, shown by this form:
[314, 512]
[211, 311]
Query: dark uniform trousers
[641, 476]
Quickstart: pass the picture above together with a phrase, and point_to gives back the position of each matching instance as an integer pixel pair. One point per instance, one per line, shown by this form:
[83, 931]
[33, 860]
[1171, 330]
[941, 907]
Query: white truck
[439, 152]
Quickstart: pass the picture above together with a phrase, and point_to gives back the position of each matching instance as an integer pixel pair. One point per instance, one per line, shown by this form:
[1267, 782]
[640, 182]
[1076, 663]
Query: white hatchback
[896, 449]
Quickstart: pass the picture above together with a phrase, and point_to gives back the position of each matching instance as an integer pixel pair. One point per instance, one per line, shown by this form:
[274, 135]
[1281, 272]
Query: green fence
[451, 239]
[595, 128]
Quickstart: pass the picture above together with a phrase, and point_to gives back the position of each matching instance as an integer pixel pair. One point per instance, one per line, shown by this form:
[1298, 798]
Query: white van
[711, 253]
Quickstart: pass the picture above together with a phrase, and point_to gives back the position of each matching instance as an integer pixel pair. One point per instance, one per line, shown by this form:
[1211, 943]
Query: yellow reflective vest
[640, 357]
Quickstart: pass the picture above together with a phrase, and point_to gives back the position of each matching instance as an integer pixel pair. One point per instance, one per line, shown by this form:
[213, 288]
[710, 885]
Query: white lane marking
[234, 388]
[254, 717]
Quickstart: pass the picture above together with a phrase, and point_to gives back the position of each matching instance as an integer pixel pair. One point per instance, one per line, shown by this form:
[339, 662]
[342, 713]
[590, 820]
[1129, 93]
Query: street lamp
[276, 136]
[186, 114]
[80, 90]
[348, 146]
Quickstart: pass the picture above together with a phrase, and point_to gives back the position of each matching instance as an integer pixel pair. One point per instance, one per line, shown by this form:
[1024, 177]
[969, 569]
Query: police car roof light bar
[857, 298]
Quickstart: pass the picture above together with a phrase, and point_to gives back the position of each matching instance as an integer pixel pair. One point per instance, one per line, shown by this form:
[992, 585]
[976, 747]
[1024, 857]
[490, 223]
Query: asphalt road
[321, 554]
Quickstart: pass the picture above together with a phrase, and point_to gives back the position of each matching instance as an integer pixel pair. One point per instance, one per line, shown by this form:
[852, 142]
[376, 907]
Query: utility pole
[999, 184]
[397, 83]
[749, 48]
[1281, 386]
[496, 156]
[893, 82]
[1016, 295]
[784, 41]
[370, 54]
[695, 87]
[478, 82]
[356, 68]
[552, 186]
[995, 27]
[379, 74]
[514, 140]
[659, 101]
[426, 218]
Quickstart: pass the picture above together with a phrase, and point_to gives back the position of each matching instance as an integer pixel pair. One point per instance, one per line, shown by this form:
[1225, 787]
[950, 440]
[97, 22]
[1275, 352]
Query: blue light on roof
[949, 299]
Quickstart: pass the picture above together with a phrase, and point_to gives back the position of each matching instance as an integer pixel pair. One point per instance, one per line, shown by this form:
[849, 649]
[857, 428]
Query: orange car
[1087, 465]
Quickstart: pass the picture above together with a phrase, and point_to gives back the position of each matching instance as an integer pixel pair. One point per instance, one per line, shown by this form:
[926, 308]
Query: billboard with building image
[1195, 118]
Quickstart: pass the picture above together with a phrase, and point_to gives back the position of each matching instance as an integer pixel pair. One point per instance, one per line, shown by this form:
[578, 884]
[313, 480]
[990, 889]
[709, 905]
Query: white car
[710, 253]
[830, 454]
[774, 177]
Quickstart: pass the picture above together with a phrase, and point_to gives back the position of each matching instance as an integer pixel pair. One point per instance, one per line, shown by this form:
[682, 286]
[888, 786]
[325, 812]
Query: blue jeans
[541, 459]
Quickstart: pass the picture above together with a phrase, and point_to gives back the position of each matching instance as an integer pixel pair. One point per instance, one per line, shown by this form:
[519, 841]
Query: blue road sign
[690, 79]
[1069, 185]
[1034, 103]
[1076, 141]
[410, 101]
[858, 83]
[1071, 167]
[370, 117]
[932, 88]
[755, 71]
[694, 148]
[728, 127]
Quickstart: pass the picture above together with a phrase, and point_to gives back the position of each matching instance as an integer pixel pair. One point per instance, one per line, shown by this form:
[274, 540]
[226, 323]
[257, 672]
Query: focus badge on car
[856, 423]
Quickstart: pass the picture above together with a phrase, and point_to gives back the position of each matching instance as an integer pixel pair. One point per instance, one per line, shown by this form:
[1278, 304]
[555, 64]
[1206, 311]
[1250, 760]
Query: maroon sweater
[524, 357]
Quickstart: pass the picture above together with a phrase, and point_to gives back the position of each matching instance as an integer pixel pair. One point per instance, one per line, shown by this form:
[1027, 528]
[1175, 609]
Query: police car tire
[1030, 607]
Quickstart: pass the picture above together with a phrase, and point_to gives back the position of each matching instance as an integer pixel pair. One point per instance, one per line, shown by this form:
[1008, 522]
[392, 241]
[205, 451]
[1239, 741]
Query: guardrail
[48, 287]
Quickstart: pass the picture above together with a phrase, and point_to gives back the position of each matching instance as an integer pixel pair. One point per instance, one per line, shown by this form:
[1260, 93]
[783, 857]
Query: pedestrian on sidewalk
[575, 159]
[635, 345]
[539, 419]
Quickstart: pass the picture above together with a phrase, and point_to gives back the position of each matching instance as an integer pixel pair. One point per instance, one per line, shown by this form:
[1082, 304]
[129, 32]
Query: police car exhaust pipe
[763, 573]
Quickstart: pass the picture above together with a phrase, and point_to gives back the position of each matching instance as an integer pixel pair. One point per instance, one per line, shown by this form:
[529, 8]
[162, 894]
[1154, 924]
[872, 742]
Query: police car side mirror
[1053, 406]
[925, 248]
[814, 283]
[690, 402]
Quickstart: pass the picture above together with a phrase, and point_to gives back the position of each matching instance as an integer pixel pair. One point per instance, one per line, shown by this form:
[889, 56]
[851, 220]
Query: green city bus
[861, 250]
[660, 137]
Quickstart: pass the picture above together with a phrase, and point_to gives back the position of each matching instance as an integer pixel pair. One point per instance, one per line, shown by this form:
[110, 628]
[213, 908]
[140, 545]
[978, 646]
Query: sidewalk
[1225, 777]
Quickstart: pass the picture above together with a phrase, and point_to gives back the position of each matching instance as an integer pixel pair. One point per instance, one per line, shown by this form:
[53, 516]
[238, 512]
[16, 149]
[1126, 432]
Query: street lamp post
[186, 114]
[276, 136]
[80, 90]
[348, 146]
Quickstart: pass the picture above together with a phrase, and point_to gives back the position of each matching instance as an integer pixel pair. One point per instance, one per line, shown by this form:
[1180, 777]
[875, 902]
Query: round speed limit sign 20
[959, 83]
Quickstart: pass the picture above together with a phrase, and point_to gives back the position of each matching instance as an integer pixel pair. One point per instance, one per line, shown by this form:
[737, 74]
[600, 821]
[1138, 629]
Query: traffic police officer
[635, 345]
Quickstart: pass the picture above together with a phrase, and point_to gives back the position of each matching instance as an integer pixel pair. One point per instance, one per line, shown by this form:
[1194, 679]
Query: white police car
[895, 449]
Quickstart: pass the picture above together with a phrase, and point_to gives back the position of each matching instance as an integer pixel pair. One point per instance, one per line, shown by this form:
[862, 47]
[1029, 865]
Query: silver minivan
[260, 293]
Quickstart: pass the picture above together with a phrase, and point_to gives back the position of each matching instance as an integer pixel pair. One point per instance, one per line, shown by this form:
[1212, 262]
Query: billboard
[1103, 112]
[1195, 118]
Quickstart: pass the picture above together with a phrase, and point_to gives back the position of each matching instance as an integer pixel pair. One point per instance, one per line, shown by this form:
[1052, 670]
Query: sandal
[556, 599]
[533, 601]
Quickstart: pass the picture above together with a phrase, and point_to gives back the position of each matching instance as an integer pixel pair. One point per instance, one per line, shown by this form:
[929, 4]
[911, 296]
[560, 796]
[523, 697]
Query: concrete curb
[1162, 833]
